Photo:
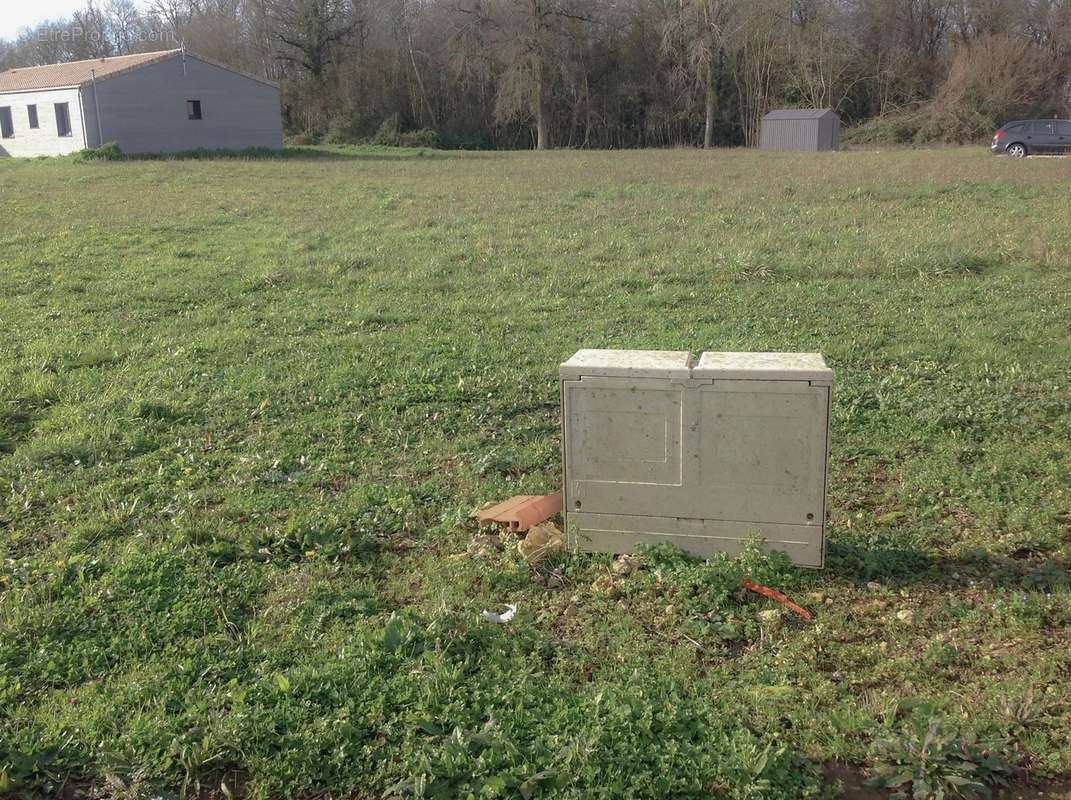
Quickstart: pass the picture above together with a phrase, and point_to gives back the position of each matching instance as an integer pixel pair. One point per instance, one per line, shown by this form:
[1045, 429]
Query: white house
[159, 102]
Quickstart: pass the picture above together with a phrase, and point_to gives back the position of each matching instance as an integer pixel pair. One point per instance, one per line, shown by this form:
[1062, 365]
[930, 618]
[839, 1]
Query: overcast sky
[18, 14]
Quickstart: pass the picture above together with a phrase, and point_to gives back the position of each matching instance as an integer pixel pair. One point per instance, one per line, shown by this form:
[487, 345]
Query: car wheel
[1016, 150]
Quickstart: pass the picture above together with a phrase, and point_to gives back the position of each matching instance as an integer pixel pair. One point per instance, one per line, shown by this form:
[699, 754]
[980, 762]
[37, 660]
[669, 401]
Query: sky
[18, 14]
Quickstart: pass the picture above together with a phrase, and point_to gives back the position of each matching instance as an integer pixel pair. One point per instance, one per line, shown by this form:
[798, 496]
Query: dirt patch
[852, 781]
[1036, 790]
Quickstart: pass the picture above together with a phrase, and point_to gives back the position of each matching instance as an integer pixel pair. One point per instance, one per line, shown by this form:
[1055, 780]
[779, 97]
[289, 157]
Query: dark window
[1014, 128]
[1042, 128]
[63, 120]
[1063, 128]
[193, 109]
[31, 111]
[7, 130]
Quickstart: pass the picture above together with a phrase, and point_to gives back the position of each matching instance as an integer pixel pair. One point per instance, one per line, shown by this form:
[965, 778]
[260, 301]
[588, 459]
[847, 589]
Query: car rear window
[1013, 128]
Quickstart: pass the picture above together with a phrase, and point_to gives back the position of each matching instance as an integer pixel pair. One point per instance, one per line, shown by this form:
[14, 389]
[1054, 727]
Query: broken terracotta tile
[521, 512]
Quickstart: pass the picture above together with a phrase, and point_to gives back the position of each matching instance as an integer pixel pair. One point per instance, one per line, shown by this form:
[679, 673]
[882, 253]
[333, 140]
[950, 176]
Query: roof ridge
[221, 65]
[88, 60]
[74, 74]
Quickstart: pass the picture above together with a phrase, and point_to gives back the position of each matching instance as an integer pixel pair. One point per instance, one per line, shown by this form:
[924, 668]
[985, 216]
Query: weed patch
[248, 406]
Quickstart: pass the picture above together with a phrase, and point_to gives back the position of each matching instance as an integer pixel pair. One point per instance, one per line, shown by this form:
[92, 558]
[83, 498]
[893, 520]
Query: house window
[193, 109]
[31, 111]
[7, 130]
[63, 120]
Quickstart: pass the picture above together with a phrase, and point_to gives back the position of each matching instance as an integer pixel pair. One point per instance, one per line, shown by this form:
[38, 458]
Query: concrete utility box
[658, 448]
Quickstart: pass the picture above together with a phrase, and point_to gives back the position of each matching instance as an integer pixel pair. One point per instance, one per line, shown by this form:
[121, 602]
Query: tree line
[604, 73]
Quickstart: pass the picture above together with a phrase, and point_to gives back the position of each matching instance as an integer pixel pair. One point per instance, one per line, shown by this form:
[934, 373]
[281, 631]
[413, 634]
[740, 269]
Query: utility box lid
[628, 364]
[764, 366]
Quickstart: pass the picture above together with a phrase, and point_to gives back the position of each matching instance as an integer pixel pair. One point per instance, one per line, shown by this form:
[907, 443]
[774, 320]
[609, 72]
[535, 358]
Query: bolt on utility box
[703, 455]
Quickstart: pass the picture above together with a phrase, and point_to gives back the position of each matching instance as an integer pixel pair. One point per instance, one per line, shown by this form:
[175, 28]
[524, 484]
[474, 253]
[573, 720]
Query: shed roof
[799, 113]
[75, 73]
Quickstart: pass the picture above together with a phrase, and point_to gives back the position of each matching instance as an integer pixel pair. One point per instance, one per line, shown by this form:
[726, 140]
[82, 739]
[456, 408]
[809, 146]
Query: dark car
[1027, 137]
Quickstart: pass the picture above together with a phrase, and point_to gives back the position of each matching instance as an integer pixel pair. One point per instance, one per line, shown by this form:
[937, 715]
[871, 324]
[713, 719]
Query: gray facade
[808, 129]
[145, 110]
[171, 103]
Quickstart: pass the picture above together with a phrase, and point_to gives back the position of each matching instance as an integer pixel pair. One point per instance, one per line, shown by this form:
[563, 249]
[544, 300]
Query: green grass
[248, 406]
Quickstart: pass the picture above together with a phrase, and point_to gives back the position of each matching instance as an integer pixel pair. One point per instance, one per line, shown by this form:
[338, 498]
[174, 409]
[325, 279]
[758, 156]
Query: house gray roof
[799, 113]
[75, 73]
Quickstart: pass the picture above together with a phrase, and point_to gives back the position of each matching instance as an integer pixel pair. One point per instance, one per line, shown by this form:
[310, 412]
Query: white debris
[505, 616]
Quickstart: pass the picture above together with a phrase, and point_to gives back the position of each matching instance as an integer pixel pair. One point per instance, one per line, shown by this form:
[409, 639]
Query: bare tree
[694, 36]
[759, 49]
[313, 33]
[92, 38]
[824, 63]
[531, 41]
[125, 23]
[601, 73]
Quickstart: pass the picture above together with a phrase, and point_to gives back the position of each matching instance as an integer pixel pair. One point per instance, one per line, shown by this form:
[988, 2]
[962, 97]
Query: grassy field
[248, 407]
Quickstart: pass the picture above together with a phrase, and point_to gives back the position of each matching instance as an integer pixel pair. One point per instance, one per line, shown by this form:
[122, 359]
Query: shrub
[390, 134]
[203, 153]
[349, 129]
[928, 759]
[389, 131]
[423, 137]
[995, 78]
[301, 140]
[896, 127]
[990, 80]
[106, 152]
